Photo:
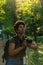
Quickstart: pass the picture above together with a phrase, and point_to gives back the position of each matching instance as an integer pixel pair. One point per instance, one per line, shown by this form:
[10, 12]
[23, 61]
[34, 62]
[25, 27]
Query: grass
[31, 55]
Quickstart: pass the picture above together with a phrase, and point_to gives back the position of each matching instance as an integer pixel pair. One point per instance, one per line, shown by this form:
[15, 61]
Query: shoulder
[11, 40]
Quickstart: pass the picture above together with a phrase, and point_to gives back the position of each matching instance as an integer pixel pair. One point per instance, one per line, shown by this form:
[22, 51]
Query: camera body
[28, 40]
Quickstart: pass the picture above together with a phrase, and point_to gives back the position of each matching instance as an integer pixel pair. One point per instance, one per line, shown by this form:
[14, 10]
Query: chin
[22, 33]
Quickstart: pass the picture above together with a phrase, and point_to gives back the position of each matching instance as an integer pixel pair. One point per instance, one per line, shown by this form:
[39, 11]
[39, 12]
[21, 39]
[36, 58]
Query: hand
[34, 45]
[24, 43]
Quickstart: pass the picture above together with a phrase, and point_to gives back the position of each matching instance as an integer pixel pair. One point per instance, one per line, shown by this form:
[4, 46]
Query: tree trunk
[12, 4]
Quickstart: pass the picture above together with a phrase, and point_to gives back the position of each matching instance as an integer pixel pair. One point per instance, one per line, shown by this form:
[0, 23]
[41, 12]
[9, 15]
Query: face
[21, 29]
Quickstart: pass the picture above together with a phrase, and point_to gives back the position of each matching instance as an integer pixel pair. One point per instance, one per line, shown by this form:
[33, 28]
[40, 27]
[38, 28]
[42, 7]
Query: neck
[20, 35]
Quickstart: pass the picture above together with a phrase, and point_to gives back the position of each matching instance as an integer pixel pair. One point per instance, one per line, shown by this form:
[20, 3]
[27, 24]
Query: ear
[16, 31]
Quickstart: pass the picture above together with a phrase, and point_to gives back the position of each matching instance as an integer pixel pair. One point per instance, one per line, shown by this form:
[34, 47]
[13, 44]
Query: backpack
[6, 47]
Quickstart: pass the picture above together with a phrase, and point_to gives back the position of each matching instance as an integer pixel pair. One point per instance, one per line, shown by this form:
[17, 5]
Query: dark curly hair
[17, 23]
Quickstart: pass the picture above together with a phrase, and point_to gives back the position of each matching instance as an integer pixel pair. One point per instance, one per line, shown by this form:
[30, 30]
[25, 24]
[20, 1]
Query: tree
[31, 11]
[8, 15]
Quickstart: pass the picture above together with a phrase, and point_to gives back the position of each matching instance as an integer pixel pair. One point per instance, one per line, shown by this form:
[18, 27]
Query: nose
[22, 27]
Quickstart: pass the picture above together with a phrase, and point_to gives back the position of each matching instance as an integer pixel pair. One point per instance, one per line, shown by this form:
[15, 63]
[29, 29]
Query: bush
[40, 39]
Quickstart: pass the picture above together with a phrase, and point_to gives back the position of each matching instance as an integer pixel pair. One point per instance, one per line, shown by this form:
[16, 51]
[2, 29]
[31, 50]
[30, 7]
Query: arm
[13, 51]
[32, 45]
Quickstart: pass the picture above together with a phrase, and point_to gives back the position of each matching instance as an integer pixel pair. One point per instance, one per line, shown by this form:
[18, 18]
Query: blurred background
[31, 12]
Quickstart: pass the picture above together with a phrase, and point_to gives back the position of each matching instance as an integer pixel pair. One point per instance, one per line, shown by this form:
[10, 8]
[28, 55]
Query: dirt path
[1, 51]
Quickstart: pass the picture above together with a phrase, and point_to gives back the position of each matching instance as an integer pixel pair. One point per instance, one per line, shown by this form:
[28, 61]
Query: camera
[28, 40]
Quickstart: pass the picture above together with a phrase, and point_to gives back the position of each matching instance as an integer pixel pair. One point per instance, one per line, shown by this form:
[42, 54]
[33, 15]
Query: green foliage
[34, 58]
[8, 30]
[40, 39]
[6, 17]
[31, 12]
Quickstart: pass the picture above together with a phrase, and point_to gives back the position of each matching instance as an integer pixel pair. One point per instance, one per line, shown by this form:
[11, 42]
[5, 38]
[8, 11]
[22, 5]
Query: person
[18, 44]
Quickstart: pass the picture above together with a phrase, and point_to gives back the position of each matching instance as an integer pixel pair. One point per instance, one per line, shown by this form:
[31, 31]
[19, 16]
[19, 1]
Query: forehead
[21, 25]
